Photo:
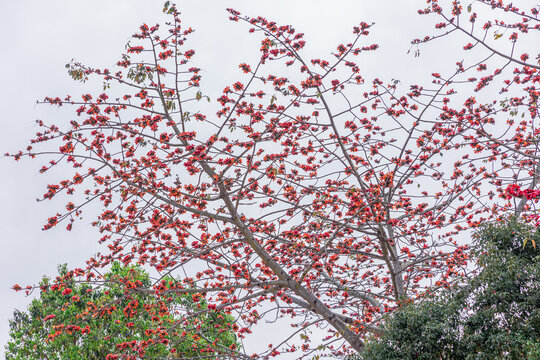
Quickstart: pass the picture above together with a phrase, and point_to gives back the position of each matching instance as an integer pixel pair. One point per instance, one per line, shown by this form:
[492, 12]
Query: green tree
[72, 320]
[494, 316]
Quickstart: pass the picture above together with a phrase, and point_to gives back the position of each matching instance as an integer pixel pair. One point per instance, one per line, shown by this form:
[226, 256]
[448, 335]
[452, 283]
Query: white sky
[40, 37]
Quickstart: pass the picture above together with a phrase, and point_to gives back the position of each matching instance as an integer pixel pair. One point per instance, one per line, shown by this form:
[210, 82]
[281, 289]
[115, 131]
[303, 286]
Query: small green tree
[495, 316]
[75, 321]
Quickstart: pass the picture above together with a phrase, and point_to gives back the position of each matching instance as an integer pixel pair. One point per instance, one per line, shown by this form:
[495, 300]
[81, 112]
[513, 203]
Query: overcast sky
[40, 37]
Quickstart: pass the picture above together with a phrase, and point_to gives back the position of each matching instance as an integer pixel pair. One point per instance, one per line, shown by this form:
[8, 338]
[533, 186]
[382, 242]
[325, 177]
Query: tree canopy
[494, 316]
[76, 321]
[309, 193]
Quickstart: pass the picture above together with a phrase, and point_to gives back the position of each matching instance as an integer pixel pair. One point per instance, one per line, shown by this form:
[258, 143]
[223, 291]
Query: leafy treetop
[494, 316]
[77, 321]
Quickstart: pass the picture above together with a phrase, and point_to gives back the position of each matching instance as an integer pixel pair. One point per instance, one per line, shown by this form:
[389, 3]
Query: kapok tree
[314, 193]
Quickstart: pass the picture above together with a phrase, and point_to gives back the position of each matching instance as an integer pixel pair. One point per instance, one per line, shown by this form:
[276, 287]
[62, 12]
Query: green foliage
[495, 316]
[74, 321]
